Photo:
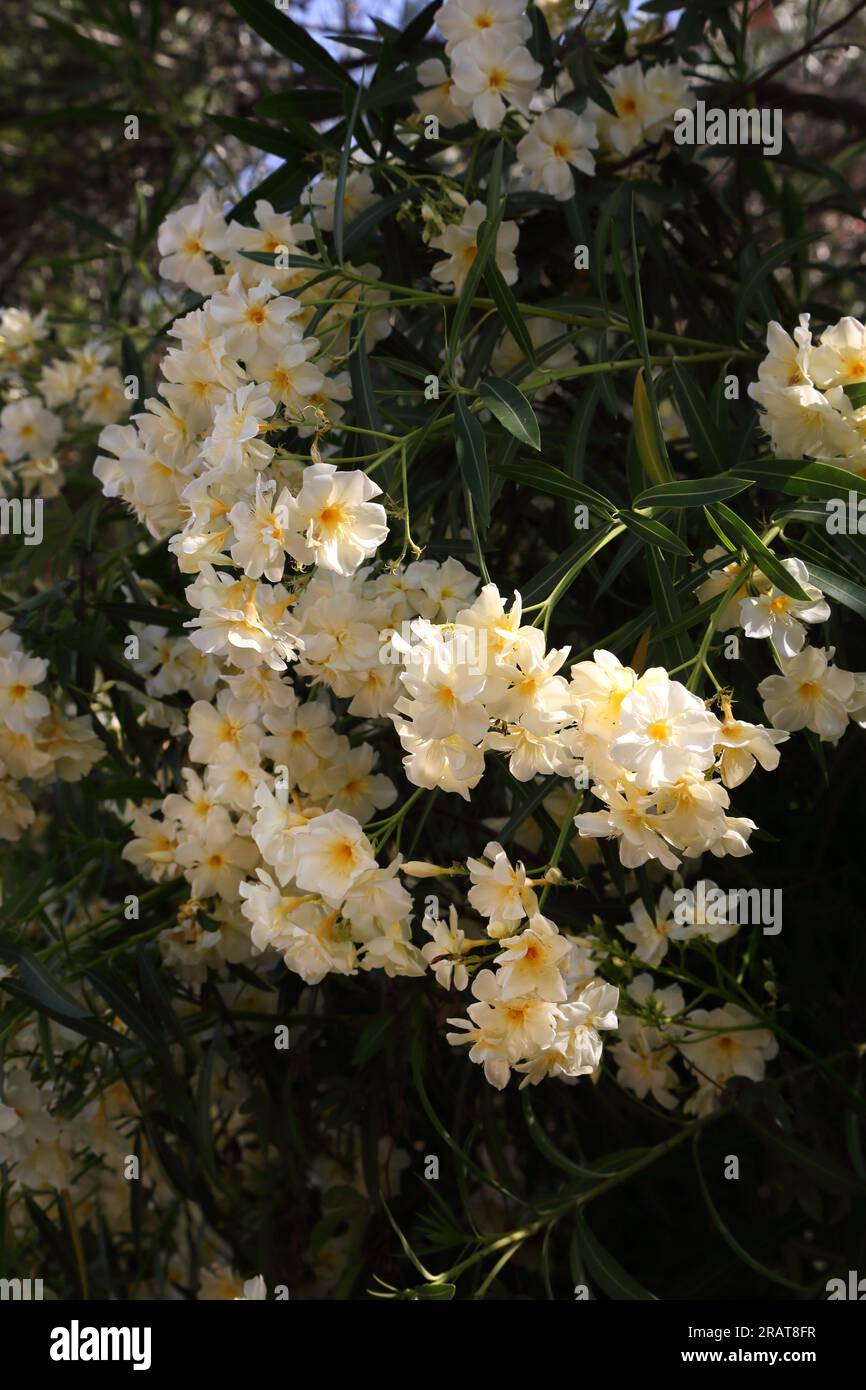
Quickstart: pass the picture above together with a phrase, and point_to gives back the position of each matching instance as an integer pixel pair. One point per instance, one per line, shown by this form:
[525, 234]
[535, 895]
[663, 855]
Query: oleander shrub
[430, 704]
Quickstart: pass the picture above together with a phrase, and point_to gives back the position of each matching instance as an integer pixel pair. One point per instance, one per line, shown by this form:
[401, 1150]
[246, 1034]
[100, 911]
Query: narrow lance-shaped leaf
[472, 458]
[757, 551]
[655, 467]
[705, 438]
[292, 40]
[342, 175]
[653, 532]
[691, 492]
[512, 409]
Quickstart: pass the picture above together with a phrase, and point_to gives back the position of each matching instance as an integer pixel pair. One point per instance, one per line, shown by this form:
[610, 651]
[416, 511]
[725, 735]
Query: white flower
[335, 523]
[629, 817]
[727, 1042]
[27, 429]
[638, 108]
[375, 898]
[234, 438]
[598, 688]
[643, 1056]
[358, 195]
[788, 359]
[780, 618]
[301, 738]
[331, 852]
[260, 525]
[553, 143]
[664, 731]
[802, 422]
[443, 954]
[393, 952]
[461, 244]
[499, 892]
[460, 21]
[502, 1032]
[841, 357]
[351, 785]
[702, 911]
[187, 238]
[667, 86]
[242, 620]
[254, 322]
[21, 707]
[216, 858]
[809, 694]
[277, 818]
[445, 691]
[490, 71]
[255, 1291]
[453, 764]
[740, 745]
[532, 962]
[723, 581]
[438, 97]
[649, 935]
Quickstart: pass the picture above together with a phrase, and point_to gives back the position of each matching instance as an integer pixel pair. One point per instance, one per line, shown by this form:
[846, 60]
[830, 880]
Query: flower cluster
[39, 738]
[810, 393]
[491, 71]
[714, 1044]
[809, 692]
[46, 397]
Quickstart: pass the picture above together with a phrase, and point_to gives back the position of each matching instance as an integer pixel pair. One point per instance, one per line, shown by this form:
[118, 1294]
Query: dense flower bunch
[290, 601]
[811, 394]
[490, 70]
[45, 397]
[269, 835]
[40, 740]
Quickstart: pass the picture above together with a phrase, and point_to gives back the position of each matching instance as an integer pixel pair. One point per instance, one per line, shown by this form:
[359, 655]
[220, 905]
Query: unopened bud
[416, 868]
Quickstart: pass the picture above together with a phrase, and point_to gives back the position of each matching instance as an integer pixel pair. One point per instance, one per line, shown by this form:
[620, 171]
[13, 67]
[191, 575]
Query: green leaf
[395, 90]
[503, 298]
[840, 588]
[511, 408]
[653, 532]
[440, 1293]
[779, 255]
[545, 478]
[606, 1271]
[282, 188]
[822, 1170]
[758, 551]
[705, 438]
[691, 492]
[292, 41]
[373, 1038]
[302, 104]
[655, 462]
[472, 458]
[361, 226]
[731, 1240]
[801, 479]
[261, 137]
[41, 983]
[667, 608]
[856, 393]
[89, 224]
[342, 175]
